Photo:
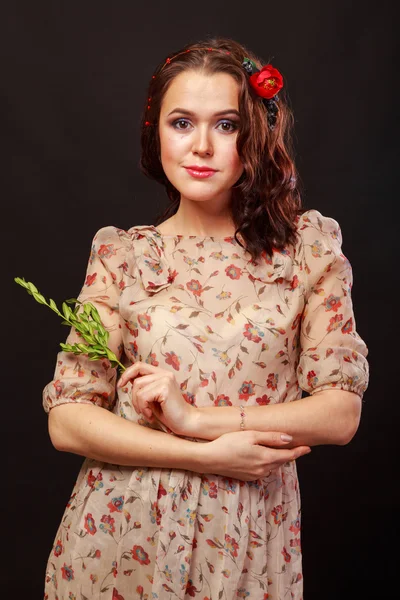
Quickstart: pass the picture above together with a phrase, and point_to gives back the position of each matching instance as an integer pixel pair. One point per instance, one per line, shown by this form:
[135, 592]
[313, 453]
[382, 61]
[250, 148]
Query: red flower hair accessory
[266, 83]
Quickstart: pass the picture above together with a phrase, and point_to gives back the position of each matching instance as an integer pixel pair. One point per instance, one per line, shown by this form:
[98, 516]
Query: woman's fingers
[273, 438]
[146, 397]
[137, 385]
[139, 368]
[277, 439]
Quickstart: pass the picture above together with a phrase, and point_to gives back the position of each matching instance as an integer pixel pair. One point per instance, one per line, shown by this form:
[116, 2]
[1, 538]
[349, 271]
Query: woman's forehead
[194, 91]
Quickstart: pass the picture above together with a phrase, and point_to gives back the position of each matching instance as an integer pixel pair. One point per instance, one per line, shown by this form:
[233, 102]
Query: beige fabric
[232, 331]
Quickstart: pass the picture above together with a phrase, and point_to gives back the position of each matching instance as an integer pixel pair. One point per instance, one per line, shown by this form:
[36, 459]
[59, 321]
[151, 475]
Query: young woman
[223, 314]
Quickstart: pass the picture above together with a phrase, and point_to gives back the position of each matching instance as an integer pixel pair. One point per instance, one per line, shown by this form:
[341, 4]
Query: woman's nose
[202, 143]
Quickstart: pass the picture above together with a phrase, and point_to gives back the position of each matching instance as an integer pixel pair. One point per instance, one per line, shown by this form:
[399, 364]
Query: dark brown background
[73, 80]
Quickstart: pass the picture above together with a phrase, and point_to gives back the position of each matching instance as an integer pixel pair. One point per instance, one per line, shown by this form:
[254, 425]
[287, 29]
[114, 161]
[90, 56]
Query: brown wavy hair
[266, 199]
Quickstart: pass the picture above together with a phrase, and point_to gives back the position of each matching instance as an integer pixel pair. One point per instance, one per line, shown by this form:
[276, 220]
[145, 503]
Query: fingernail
[286, 438]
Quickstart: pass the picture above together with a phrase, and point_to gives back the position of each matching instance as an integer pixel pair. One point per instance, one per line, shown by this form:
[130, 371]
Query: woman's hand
[248, 455]
[155, 392]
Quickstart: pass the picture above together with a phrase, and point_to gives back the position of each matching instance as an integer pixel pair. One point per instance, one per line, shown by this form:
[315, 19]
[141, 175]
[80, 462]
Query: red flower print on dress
[172, 275]
[133, 349]
[272, 381]
[332, 303]
[253, 333]
[222, 400]
[276, 512]
[233, 272]
[348, 326]
[191, 589]
[67, 572]
[107, 524]
[295, 526]
[286, 555]
[195, 287]
[312, 379]
[334, 323]
[58, 548]
[90, 524]
[116, 595]
[231, 545]
[294, 283]
[189, 398]
[90, 279]
[131, 328]
[172, 359]
[209, 487]
[264, 400]
[106, 251]
[295, 544]
[90, 479]
[116, 504]
[59, 387]
[161, 491]
[144, 321]
[140, 555]
[246, 390]
[155, 513]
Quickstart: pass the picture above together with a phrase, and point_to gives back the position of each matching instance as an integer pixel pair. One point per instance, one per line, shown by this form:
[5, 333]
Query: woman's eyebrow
[183, 111]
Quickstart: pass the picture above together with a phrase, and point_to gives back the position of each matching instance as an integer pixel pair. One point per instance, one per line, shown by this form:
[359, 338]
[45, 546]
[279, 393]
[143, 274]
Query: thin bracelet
[242, 414]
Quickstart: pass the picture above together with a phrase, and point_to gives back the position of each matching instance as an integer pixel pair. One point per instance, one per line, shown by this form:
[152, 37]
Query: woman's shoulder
[314, 218]
[114, 236]
[313, 224]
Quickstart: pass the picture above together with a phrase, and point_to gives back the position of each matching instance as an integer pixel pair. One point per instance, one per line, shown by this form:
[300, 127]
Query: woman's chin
[201, 192]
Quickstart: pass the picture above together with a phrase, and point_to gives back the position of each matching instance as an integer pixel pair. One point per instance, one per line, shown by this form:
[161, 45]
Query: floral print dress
[232, 331]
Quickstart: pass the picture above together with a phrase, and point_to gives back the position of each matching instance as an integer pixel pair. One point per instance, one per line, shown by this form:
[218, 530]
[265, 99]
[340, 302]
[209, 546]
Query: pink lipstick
[200, 172]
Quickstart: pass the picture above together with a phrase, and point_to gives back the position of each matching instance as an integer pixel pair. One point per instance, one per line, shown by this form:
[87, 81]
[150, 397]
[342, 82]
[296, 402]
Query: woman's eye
[228, 126]
[177, 124]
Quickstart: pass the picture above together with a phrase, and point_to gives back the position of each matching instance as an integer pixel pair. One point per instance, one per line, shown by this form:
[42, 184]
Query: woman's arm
[326, 417]
[95, 432]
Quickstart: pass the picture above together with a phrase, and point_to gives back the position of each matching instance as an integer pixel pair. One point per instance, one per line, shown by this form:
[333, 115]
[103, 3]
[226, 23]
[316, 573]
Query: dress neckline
[195, 237]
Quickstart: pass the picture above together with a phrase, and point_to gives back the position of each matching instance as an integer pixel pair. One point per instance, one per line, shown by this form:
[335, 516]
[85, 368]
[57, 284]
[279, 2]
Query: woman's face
[198, 127]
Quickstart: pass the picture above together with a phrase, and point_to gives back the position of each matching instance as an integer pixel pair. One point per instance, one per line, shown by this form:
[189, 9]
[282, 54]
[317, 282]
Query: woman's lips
[200, 174]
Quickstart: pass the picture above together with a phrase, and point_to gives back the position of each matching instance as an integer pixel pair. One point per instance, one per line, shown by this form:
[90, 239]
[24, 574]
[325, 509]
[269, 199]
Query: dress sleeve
[76, 378]
[332, 354]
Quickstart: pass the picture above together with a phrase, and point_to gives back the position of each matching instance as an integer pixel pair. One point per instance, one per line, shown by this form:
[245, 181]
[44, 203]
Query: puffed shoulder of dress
[333, 355]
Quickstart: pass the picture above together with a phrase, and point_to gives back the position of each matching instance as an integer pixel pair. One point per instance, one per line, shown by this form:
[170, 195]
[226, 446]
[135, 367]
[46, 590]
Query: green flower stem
[87, 323]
